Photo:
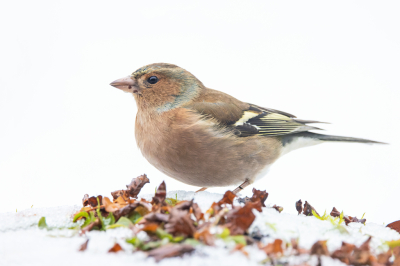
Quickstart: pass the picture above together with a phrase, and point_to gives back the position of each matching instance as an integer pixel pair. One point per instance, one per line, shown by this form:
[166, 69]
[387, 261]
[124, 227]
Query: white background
[65, 132]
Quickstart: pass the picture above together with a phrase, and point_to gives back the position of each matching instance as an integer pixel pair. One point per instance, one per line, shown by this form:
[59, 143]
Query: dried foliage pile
[176, 227]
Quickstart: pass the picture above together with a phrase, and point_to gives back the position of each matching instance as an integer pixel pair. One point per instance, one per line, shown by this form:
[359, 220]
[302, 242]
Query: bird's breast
[187, 147]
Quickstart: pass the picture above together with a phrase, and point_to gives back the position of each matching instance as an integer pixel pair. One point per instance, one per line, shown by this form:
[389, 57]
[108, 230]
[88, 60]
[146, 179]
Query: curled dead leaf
[299, 206]
[278, 208]
[307, 211]
[395, 226]
[274, 248]
[170, 250]
[115, 248]
[136, 185]
[259, 195]
[83, 247]
[238, 220]
[319, 248]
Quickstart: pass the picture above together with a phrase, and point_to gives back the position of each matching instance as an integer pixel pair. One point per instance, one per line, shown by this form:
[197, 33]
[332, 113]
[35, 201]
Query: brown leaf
[119, 193]
[396, 253]
[150, 227]
[319, 248]
[203, 234]
[90, 226]
[227, 198]
[170, 250]
[115, 248]
[156, 217]
[127, 210]
[136, 185]
[83, 247]
[110, 206]
[355, 220]
[180, 224]
[278, 208]
[259, 195]
[238, 220]
[274, 248]
[184, 205]
[307, 209]
[335, 212]
[344, 253]
[395, 226]
[362, 255]
[85, 200]
[297, 249]
[299, 207]
[383, 258]
[240, 247]
[160, 195]
[93, 201]
[197, 212]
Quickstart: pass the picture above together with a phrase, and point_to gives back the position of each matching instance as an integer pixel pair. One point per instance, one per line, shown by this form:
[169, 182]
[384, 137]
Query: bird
[207, 138]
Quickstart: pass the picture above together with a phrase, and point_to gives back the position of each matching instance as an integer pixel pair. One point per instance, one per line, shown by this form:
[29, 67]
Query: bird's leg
[242, 186]
[201, 189]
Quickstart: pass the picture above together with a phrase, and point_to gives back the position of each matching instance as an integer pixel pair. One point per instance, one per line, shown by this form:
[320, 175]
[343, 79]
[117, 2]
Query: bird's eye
[152, 80]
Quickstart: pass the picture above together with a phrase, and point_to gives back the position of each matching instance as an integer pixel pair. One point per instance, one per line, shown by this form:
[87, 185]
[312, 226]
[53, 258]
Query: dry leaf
[307, 211]
[335, 212]
[361, 255]
[160, 195]
[274, 248]
[319, 248]
[170, 250]
[278, 208]
[136, 185]
[344, 253]
[238, 220]
[299, 207]
[115, 248]
[395, 226]
[180, 224]
[227, 198]
[83, 247]
[259, 195]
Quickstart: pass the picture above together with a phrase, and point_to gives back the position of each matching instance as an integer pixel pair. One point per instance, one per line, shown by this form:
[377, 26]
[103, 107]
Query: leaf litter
[175, 228]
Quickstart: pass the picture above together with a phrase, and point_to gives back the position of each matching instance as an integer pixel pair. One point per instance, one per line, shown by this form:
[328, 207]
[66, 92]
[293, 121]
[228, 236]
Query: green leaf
[323, 217]
[171, 201]
[164, 235]
[191, 241]
[102, 226]
[393, 244]
[109, 220]
[341, 219]
[82, 214]
[42, 223]
[135, 217]
[122, 222]
[239, 239]
[136, 242]
[225, 233]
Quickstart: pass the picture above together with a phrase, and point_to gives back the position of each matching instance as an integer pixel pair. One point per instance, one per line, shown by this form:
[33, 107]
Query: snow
[23, 243]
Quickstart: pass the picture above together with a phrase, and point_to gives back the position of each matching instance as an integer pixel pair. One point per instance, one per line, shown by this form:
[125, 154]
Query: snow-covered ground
[23, 243]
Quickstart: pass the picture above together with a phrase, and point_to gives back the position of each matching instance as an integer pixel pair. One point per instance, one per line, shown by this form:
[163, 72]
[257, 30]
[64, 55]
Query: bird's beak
[126, 84]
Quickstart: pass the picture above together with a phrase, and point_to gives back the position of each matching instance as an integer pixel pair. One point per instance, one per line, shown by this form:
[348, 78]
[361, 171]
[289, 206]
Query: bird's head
[161, 86]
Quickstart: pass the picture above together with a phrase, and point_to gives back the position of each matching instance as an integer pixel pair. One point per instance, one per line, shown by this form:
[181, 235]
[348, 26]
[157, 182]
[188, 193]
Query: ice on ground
[22, 243]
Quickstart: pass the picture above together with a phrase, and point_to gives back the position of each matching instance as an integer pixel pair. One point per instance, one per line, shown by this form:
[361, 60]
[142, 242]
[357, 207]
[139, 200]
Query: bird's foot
[201, 189]
[241, 187]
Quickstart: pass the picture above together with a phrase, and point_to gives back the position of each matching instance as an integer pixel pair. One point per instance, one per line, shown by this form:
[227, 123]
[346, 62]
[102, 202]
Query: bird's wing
[249, 120]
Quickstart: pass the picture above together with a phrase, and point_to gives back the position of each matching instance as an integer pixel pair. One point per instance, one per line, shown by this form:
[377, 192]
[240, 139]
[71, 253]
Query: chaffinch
[207, 138]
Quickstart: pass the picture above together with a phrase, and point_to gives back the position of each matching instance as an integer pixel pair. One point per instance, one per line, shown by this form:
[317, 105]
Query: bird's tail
[304, 139]
[336, 138]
